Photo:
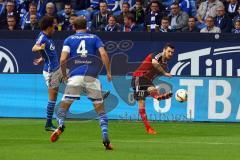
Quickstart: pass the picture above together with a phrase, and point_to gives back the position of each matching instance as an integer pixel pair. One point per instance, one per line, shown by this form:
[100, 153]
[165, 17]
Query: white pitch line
[133, 141]
[178, 142]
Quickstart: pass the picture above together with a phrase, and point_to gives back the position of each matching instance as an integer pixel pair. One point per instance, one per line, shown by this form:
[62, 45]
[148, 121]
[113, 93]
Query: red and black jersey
[147, 70]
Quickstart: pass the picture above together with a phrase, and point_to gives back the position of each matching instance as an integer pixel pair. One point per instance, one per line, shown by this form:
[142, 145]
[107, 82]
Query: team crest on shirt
[52, 47]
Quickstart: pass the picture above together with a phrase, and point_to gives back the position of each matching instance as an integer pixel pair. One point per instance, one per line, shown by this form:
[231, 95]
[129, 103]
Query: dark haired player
[155, 64]
[51, 70]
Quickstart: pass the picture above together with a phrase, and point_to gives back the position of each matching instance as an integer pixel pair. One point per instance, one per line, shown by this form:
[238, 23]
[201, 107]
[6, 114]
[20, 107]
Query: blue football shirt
[51, 62]
[83, 54]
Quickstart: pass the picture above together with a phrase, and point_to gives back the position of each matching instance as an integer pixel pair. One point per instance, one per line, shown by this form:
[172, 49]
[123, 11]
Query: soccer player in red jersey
[155, 64]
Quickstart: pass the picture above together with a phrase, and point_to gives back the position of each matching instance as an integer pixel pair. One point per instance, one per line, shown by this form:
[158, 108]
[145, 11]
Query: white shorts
[77, 85]
[53, 79]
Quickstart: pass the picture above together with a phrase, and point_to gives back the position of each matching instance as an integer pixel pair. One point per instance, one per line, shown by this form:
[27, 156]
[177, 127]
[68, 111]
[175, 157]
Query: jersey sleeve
[157, 56]
[40, 40]
[66, 46]
[99, 43]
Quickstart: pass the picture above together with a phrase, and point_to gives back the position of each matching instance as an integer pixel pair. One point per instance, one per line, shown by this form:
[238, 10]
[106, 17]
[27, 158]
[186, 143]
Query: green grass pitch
[25, 139]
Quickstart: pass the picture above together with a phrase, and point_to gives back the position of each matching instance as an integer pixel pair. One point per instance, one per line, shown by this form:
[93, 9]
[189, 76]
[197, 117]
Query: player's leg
[103, 120]
[53, 81]
[61, 117]
[93, 89]
[153, 92]
[140, 86]
[52, 96]
[142, 113]
[71, 93]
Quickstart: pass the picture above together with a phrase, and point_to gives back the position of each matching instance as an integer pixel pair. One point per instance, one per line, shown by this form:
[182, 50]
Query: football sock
[50, 110]
[104, 126]
[143, 115]
[61, 115]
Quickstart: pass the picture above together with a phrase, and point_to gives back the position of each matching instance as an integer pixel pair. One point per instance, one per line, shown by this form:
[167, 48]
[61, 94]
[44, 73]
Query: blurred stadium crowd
[205, 16]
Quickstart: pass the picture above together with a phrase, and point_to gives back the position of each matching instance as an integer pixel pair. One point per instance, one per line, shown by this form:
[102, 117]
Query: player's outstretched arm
[63, 63]
[37, 47]
[160, 68]
[106, 62]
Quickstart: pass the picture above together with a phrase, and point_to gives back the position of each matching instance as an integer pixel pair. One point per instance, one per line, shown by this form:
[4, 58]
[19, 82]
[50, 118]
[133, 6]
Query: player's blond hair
[80, 23]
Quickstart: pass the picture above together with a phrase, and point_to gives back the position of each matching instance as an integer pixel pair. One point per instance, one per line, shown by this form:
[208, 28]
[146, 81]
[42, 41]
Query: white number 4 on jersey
[82, 49]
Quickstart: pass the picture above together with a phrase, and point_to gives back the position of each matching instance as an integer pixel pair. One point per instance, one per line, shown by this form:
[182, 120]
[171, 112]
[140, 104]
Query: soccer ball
[181, 95]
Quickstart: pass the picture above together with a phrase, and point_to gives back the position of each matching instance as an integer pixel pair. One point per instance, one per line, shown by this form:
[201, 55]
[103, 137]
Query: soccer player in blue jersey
[82, 50]
[51, 70]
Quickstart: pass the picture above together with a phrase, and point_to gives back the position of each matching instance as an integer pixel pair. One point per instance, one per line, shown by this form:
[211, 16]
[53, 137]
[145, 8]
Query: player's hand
[42, 46]
[168, 75]
[109, 77]
[38, 61]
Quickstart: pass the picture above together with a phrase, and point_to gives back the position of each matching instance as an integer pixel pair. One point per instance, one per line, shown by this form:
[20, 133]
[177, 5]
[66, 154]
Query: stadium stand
[146, 17]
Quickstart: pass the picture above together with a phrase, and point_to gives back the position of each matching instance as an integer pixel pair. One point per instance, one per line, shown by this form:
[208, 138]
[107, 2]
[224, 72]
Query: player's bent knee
[69, 99]
[97, 102]
[152, 89]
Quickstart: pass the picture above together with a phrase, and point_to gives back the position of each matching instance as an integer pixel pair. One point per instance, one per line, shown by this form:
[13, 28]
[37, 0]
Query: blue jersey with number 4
[83, 54]
[49, 54]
